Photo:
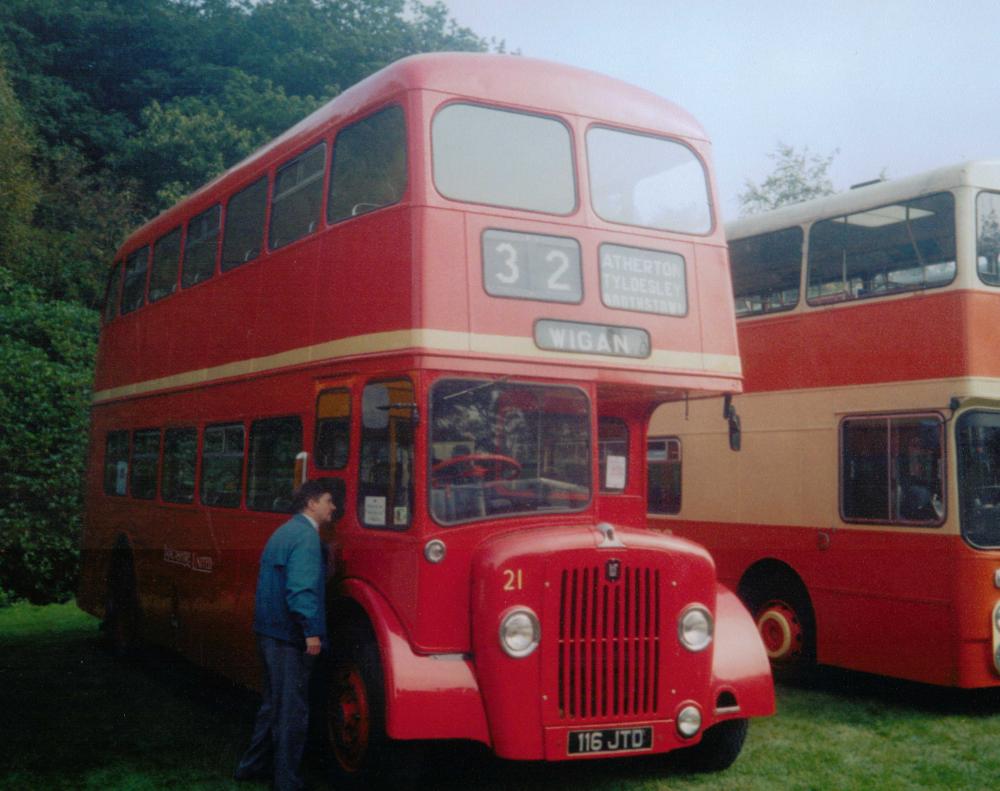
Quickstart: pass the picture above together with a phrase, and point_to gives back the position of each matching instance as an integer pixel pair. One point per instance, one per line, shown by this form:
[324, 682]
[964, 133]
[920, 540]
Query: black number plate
[610, 740]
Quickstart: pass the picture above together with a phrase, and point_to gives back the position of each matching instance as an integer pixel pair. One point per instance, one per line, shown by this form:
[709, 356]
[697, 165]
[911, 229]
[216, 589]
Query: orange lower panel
[909, 605]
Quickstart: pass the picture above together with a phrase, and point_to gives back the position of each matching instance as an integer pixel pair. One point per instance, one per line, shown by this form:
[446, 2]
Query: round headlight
[519, 633]
[996, 616]
[695, 628]
[688, 721]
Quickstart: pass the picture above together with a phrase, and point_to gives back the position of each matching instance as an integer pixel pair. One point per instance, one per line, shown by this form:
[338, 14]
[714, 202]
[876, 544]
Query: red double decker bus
[456, 292]
[860, 520]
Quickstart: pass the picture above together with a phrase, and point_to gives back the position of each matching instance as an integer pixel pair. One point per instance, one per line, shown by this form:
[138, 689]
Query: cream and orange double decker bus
[456, 292]
[860, 518]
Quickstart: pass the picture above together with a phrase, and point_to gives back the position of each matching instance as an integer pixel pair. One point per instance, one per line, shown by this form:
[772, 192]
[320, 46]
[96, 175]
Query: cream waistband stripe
[428, 341]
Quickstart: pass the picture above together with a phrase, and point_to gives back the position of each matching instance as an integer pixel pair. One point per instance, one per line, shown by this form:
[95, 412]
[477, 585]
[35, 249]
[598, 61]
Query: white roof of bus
[985, 174]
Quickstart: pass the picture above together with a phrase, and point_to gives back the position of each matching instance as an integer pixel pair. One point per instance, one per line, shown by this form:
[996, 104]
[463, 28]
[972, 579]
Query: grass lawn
[72, 717]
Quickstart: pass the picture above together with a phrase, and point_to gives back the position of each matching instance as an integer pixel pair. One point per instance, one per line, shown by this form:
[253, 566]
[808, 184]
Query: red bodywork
[397, 293]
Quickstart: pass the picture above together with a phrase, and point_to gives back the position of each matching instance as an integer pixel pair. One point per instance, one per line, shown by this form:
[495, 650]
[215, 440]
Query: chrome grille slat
[609, 643]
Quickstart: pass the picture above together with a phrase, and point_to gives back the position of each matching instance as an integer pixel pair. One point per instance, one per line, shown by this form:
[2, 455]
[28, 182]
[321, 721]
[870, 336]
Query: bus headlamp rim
[515, 622]
[687, 624]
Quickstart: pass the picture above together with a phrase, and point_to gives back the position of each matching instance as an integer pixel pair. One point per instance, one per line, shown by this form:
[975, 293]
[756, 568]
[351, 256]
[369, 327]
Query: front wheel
[719, 747]
[361, 755]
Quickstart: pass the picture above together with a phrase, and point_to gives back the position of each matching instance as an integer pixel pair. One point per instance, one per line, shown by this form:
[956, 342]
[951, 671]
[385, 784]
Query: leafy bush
[46, 355]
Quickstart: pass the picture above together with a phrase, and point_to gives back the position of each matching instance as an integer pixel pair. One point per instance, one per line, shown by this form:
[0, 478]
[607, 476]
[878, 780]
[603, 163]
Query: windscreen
[501, 448]
[978, 437]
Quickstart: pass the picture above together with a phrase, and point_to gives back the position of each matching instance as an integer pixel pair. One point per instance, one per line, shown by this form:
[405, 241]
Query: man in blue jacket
[290, 624]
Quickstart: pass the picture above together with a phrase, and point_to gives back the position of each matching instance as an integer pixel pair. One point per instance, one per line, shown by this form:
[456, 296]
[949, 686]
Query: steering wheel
[476, 467]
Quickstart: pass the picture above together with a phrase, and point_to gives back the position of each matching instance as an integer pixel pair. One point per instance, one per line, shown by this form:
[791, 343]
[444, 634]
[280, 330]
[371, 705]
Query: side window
[201, 247]
[274, 443]
[166, 260]
[612, 450]
[333, 430]
[116, 463]
[766, 271]
[180, 453]
[663, 475]
[298, 198]
[134, 288]
[145, 463]
[222, 465]
[369, 165]
[988, 237]
[891, 470]
[385, 492]
[244, 232]
[113, 292]
[907, 246]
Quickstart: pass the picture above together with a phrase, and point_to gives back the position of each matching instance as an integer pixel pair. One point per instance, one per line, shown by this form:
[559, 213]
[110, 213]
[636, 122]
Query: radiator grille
[609, 643]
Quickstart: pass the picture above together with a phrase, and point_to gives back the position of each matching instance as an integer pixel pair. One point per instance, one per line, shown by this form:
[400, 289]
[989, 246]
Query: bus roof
[984, 173]
[527, 83]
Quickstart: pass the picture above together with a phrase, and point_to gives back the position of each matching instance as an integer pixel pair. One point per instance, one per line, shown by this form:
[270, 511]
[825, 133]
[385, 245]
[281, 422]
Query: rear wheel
[361, 755]
[719, 747]
[121, 617]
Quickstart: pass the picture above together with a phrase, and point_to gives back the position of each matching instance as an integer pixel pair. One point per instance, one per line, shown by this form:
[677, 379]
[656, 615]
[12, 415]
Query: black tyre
[360, 754]
[122, 614]
[720, 745]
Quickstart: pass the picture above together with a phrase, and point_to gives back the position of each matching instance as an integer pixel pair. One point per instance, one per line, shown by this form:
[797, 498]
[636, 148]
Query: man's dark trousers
[281, 729]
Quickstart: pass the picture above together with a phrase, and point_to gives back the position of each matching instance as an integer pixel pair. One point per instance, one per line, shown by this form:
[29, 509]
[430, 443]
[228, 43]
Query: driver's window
[385, 490]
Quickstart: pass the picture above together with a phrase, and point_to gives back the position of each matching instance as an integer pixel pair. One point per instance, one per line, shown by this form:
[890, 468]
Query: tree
[797, 176]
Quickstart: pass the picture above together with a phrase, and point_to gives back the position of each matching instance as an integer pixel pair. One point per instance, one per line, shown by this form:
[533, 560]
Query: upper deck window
[988, 237]
[201, 247]
[501, 448]
[166, 259]
[113, 291]
[907, 246]
[134, 289]
[244, 232]
[503, 158]
[369, 165]
[298, 195]
[647, 181]
[766, 271]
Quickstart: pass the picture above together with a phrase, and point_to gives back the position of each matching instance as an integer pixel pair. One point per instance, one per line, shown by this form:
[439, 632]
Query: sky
[891, 86]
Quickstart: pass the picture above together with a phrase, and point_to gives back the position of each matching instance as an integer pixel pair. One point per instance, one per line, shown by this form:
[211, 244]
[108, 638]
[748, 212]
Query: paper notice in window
[614, 476]
[374, 510]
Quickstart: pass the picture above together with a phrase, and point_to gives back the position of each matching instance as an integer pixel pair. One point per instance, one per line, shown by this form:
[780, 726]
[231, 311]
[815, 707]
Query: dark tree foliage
[110, 111]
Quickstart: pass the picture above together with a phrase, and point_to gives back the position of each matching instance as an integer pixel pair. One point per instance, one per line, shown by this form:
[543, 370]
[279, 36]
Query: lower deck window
[116, 463]
[145, 463]
[180, 452]
[978, 441]
[385, 490]
[222, 465]
[663, 471]
[891, 470]
[274, 444]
